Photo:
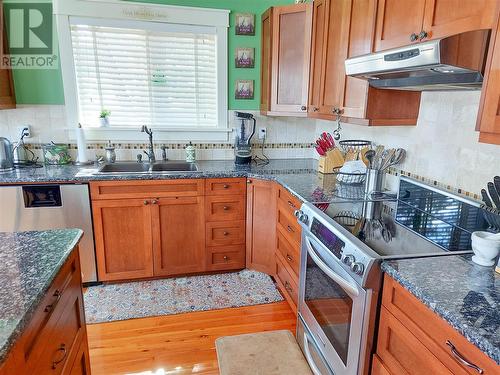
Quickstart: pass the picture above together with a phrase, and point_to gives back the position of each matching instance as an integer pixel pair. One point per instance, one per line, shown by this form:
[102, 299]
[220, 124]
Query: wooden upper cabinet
[261, 226]
[7, 94]
[344, 29]
[396, 21]
[488, 119]
[286, 41]
[123, 239]
[429, 19]
[178, 235]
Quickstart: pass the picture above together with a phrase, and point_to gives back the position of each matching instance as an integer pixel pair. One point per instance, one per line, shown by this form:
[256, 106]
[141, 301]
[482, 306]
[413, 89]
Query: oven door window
[331, 307]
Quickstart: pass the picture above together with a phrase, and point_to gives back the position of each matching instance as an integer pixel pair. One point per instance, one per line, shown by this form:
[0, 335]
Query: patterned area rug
[107, 303]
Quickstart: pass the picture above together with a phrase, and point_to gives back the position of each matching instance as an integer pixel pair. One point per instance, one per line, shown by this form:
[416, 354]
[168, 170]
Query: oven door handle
[331, 274]
[309, 357]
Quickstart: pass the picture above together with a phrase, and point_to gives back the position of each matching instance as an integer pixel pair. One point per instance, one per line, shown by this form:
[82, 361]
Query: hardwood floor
[177, 344]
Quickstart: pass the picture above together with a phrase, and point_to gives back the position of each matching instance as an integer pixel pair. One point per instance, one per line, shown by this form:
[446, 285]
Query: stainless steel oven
[331, 302]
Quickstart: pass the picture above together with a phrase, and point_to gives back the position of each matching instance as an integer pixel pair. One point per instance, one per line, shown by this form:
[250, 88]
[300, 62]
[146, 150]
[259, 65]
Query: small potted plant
[104, 117]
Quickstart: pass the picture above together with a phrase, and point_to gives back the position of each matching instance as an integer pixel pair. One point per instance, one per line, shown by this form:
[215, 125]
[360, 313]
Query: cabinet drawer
[432, 331]
[288, 225]
[225, 258]
[51, 308]
[286, 282]
[225, 233]
[403, 353]
[146, 189]
[289, 252]
[225, 186]
[61, 338]
[225, 208]
[288, 200]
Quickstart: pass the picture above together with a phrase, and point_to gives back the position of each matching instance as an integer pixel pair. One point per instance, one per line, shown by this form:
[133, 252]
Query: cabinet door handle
[315, 109]
[225, 257]
[303, 108]
[423, 34]
[225, 233]
[290, 229]
[155, 201]
[225, 208]
[291, 204]
[225, 186]
[461, 359]
[146, 203]
[288, 287]
[62, 348]
[413, 37]
[58, 295]
[288, 257]
[249, 181]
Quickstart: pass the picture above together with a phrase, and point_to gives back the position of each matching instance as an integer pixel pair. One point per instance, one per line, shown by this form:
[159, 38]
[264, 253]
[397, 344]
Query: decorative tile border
[179, 146]
[428, 181]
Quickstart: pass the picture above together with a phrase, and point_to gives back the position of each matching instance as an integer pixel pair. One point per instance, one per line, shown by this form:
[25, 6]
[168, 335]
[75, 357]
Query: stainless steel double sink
[164, 167]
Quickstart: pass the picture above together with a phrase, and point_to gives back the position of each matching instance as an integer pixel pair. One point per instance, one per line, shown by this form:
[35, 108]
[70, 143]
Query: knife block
[333, 159]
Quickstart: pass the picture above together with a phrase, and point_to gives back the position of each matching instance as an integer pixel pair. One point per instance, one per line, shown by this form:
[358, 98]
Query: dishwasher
[41, 207]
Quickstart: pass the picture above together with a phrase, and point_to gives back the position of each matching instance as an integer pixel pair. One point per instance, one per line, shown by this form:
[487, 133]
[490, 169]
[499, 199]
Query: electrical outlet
[262, 133]
[24, 129]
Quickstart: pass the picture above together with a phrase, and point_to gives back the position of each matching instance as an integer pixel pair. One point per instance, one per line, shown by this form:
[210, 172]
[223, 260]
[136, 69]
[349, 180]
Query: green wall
[45, 86]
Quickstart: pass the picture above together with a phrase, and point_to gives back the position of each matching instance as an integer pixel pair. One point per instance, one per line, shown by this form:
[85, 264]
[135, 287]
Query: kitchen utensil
[6, 155]
[374, 180]
[320, 151]
[494, 194]
[369, 155]
[330, 139]
[486, 198]
[496, 182]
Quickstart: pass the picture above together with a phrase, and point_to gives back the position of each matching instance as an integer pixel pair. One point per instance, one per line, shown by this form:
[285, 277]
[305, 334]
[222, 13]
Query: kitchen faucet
[150, 153]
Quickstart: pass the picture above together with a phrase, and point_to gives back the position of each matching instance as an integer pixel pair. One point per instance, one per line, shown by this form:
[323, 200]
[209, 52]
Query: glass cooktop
[421, 222]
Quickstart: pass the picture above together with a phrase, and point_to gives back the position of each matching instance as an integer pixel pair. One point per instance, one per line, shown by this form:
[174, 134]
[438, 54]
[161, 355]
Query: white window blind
[165, 79]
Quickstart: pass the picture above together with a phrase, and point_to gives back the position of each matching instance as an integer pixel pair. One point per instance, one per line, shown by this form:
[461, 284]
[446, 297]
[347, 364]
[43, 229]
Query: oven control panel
[328, 238]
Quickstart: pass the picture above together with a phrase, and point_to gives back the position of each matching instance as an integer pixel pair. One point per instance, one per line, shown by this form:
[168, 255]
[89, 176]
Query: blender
[245, 129]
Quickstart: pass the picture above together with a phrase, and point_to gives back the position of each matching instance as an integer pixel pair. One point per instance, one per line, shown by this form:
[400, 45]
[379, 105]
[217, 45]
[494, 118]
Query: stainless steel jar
[6, 155]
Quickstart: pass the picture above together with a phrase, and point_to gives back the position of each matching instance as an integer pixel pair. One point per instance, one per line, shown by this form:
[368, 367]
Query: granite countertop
[29, 262]
[299, 176]
[464, 294]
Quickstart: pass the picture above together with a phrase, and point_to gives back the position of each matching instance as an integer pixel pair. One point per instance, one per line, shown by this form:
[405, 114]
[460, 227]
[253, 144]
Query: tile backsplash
[442, 147]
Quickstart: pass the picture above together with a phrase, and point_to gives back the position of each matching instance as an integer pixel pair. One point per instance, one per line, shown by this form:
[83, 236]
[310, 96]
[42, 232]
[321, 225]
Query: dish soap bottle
[190, 153]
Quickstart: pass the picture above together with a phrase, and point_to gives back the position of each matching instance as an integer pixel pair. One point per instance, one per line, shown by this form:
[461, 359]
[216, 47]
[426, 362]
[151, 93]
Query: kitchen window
[167, 72]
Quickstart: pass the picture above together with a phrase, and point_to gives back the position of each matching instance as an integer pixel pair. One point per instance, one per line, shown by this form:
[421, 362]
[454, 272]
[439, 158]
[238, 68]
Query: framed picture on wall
[244, 24]
[243, 89]
[244, 57]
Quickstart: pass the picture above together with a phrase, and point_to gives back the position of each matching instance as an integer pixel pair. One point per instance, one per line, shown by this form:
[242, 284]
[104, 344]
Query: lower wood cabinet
[149, 229]
[55, 339]
[123, 238]
[261, 225]
[412, 339]
[178, 235]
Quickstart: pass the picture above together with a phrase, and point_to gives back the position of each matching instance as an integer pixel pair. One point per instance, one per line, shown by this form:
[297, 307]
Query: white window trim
[154, 13]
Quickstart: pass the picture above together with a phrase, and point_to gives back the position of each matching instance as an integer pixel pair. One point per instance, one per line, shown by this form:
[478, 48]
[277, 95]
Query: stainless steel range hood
[453, 63]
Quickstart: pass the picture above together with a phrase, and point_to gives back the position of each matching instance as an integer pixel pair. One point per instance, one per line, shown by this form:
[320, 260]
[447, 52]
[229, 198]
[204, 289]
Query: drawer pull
[288, 287]
[291, 204]
[461, 359]
[62, 349]
[225, 208]
[154, 201]
[225, 186]
[226, 233]
[146, 203]
[58, 295]
[290, 229]
[225, 257]
[289, 258]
